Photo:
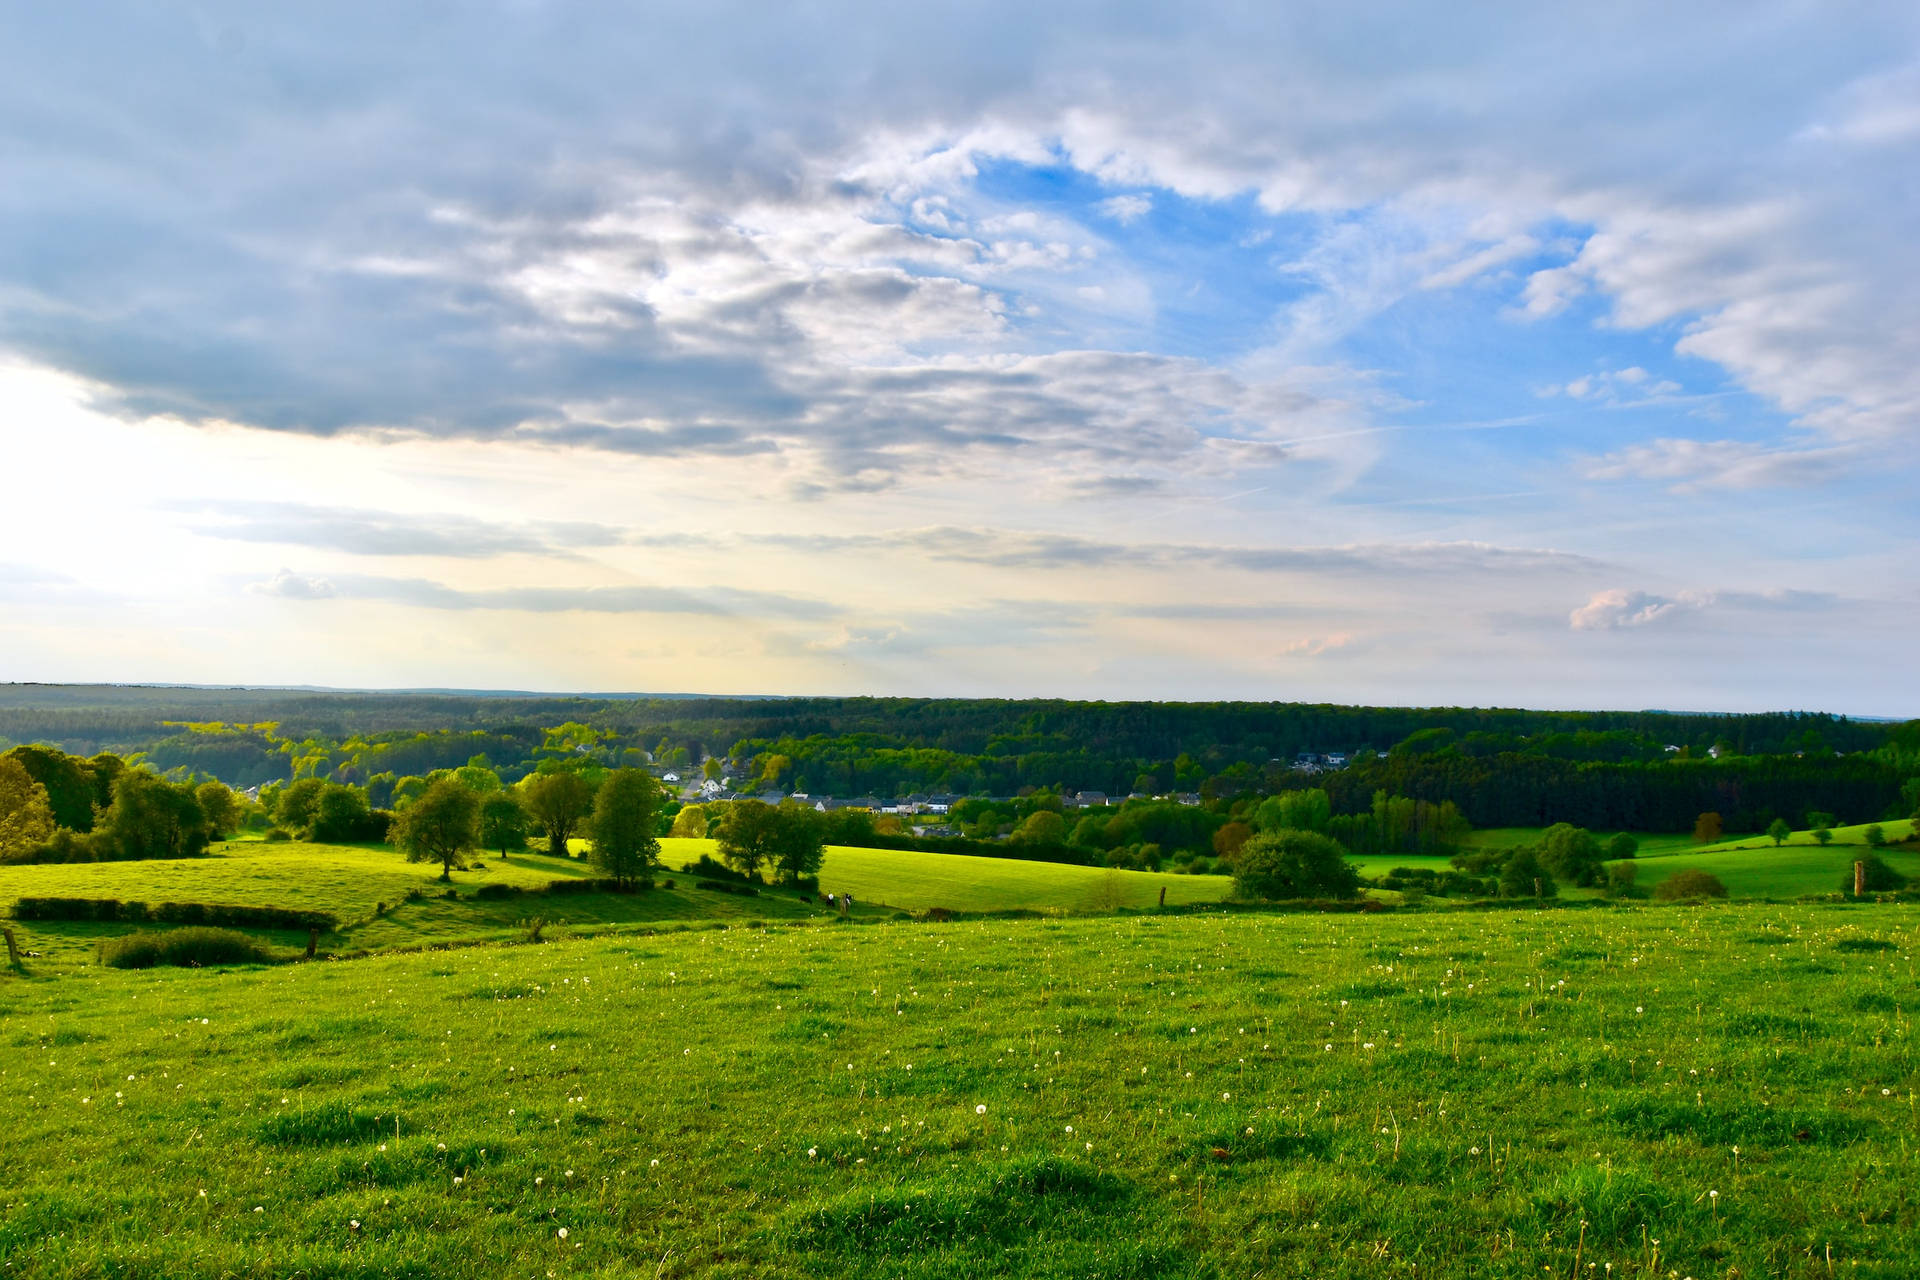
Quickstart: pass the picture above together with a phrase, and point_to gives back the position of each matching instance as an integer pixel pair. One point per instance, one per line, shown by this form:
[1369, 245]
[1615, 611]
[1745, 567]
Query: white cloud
[1127, 208]
[1686, 466]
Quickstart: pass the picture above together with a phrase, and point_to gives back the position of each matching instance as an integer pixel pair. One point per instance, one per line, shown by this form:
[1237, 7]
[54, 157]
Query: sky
[1509, 355]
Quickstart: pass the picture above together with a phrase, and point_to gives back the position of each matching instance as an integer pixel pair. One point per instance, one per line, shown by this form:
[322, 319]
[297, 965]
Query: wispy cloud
[427, 594]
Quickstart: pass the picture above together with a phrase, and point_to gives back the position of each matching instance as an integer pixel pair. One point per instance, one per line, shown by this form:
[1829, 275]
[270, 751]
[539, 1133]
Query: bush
[208, 913]
[490, 892]
[1881, 878]
[1288, 863]
[186, 948]
[1525, 877]
[1690, 884]
[277, 834]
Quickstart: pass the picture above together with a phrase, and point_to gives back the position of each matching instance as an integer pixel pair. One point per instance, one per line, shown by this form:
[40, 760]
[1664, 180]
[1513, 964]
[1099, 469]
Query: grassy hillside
[1654, 1091]
[1752, 867]
[354, 882]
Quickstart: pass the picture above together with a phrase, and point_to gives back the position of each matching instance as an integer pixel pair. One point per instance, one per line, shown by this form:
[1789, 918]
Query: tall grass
[184, 948]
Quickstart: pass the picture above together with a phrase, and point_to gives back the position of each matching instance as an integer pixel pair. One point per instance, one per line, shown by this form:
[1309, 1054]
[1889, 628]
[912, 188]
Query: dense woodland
[1204, 778]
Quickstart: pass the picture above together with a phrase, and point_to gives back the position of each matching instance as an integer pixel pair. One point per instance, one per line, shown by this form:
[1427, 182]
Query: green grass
[1750, 866]
[1443, 1095]
[1651, 842]
[352, 881]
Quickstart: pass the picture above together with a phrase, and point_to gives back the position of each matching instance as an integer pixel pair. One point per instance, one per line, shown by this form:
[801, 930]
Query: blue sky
[1526, 357]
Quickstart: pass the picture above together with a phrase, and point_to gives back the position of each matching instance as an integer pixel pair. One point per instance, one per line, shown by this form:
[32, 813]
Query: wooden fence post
[1163, 895]
[13, 947]
[313, 940]
[1860, 879]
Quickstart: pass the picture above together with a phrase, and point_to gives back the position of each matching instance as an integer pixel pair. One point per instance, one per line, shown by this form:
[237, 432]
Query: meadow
[385, 902]
[1645, 1091]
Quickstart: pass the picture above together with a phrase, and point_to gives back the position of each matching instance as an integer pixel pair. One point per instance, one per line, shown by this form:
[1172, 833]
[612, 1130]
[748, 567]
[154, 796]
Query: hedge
[204, 913]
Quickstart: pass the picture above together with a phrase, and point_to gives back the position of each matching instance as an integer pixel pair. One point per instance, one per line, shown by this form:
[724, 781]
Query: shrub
[490, 892]
[1525, 877]
[187, 948]
[1880, 877]
[208, 913]
[277, 834]
[1288, 863]
[1691, 883]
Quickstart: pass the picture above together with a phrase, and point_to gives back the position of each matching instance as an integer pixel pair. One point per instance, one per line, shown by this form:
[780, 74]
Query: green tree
[503, 822]
[1525, 876]
[1822, 836]
[1288, 863]
[1778, 831]
[690, 822]
[1622, 846]
[625, 814]
[68, 782]
[1042, 826]
[478, 776]
[1706, 828]
[340, 814]
[799, 843]
[26, 817]
[747, 835]
[221, 808]
[1875, 836]
[1090, 833]
[1228, 840]
[1572, 854]
[442, 826]
[153, 818]
[558, 802]
[298, 804]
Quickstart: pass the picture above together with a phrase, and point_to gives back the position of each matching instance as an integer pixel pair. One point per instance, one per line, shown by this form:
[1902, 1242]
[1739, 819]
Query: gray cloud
[338, 221]
[729, 602]
[383, 533]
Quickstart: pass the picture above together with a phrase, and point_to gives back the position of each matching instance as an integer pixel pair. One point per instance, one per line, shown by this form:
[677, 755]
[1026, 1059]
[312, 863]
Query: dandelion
[1226, 1097]
[353, 1224]
[203, 1193]
[811, 1153]
[259, 1209]
[1069, 1128]
[563, 1233]
[1639, 1008]
[656, 1163]
[539, 1181]
[982, 1108]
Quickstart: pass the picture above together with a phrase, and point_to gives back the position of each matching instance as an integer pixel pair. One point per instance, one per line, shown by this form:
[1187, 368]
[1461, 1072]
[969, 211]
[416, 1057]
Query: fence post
[313, 940]
[1163, 895]
[13, 947]
[1860, 879]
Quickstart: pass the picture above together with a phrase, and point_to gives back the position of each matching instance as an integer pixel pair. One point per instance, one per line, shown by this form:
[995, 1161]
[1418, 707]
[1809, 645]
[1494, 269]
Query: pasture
[1643, 1091]
[356, 882]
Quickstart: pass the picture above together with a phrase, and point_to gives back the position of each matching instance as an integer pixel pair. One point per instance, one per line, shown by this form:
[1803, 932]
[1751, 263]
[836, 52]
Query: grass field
[1647, 1091]
[352, 881]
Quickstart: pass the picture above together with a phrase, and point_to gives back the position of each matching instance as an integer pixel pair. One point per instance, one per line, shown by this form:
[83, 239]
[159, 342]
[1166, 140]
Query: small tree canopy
[1778, 831]
[1822, 836]
[26, 817]
[625, 814]
[799, 841]
[747, 834]
[1706, 828]
[1622, 846]
[1691, 883]
[442, 826]
[559, 802]
[1525, 876]
[503, 822]
[1289, 863]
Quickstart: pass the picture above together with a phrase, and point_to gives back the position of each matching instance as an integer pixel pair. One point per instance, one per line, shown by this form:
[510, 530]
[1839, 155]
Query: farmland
[1713, 1091]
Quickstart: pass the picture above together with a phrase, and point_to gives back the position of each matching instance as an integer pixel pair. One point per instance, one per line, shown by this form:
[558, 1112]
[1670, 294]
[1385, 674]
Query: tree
[478, 776]
[558, 801]
[625, 814]
[153, 818]
[1229, 838]
[1289, 863]
[503, 822]
[1042, 826]
[1778, 831]
[690, 822]
[1875, 836]
[747, 835]
[68, 781]
[1706, 828]
[26, 817]
[298, 804]
[1822, 836]
[1622, 846]
[1620, 879]
[799, 844]
[340, 814]
[222, 810]
[1572, 854]
[1525, 877]
[441, 826]
[1691, 883]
